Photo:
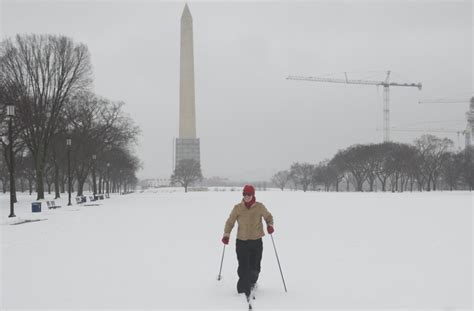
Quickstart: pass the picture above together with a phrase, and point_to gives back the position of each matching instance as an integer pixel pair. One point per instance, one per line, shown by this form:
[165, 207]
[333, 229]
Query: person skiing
[249, 247]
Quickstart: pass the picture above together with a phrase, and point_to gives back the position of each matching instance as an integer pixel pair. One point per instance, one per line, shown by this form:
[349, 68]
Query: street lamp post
[10, 115]
[68, 143]
[94, 185]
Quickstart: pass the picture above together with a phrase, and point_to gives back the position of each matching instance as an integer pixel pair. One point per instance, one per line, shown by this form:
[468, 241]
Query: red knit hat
[249, 189]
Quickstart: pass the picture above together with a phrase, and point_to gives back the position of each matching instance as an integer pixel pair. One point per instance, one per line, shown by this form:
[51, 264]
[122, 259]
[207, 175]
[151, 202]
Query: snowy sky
[251, 121]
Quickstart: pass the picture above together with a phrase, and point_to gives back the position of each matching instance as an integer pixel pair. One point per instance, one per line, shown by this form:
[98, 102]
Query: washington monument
[187, 145]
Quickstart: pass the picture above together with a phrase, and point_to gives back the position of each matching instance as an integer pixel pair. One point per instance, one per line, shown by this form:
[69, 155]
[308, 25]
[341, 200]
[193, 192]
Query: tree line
[428, 164]
[48, 78]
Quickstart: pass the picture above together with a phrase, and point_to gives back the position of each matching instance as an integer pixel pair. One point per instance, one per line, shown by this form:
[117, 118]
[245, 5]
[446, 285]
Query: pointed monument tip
[186, 11]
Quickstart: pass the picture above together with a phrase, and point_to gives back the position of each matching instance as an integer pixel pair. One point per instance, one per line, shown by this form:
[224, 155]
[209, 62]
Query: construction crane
[431, 130]
[469, 132]
[386, 93]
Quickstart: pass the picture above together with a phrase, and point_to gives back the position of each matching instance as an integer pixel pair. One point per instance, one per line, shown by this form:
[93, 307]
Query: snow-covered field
[161, 249]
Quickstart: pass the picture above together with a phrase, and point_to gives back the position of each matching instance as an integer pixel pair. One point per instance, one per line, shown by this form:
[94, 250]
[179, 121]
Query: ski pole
[279, 266]
[219, 277]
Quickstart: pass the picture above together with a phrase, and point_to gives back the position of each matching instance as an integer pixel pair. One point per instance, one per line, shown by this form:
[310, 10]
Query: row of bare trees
[48, 79]
[428, 164]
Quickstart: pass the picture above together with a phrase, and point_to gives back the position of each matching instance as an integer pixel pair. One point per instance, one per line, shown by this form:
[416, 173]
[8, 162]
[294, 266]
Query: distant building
[154, 183]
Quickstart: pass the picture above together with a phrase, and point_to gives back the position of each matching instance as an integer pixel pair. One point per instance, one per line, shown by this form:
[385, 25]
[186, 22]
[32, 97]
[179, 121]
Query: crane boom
[468, 133]
[386, 94]
[437, 130]
[352, 81]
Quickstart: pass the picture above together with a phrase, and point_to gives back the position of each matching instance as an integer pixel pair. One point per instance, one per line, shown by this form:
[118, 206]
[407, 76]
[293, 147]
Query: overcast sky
[251, 121]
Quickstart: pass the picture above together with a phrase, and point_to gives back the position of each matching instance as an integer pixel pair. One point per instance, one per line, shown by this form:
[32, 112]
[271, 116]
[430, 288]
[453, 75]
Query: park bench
[81, 199]
[52, 204]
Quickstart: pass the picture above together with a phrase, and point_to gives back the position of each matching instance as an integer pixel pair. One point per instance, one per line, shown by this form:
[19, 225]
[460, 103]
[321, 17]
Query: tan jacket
[249, 220]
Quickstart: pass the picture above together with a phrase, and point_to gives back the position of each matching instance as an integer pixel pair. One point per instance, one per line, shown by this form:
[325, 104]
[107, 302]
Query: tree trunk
[420, 185]
[14, 190]
[359, 184]
[56, 180]
[80, 186]
[402, 183]
[100, 183]
[94, 182]
[371, 184]
[39, 183]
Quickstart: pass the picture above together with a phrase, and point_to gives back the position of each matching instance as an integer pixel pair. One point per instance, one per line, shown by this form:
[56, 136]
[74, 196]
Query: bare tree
[302, 174]
[452, 170]
[186, 172]
[398, 165]
[428, 163]
[281, 179]
[42, 72]
[325, 173]
[3, 173]
[57, 159]
[353, 161]
[384, 155]
[317, 176]
[433, 151]
[372, 162]
[123, 167]
[98, 125]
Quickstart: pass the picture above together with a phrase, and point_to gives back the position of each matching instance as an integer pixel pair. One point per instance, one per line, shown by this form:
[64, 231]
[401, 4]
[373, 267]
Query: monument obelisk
[187, 145]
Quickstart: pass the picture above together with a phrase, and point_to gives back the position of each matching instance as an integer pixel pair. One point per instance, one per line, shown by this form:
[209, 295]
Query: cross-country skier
[249, 246]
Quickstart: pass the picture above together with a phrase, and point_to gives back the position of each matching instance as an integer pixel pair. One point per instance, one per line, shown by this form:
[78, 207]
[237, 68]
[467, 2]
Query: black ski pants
[249, 255]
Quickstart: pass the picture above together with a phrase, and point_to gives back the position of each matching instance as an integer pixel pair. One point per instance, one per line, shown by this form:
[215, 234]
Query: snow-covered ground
[161, 249]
